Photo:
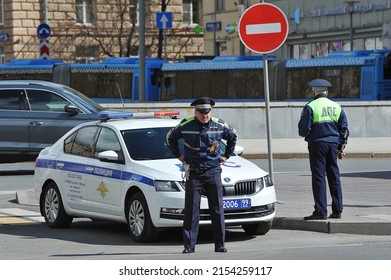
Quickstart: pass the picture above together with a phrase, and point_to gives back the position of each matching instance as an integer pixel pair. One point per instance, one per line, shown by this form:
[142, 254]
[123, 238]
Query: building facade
[90, 30]
[316, 27]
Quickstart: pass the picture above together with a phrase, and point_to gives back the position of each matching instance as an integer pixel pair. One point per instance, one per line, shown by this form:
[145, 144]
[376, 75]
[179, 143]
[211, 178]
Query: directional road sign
[43, 31]
[163, 20]
[4, 37]
[213, 26]
[263, 28]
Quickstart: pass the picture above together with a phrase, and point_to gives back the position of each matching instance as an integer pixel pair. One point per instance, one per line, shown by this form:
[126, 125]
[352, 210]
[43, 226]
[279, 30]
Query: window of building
[134, 12]
[1, 13]
[191, 15]
[2, 57]
[86, 54]
[84, 12]
[219, 5]
[374, 43]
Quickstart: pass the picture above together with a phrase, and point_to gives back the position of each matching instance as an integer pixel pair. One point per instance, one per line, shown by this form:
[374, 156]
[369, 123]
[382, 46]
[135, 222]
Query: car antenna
[120, 95]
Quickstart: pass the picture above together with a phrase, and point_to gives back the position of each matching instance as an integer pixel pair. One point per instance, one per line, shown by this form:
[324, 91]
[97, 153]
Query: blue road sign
[43, 31]
[4, 37]
[213, 26]
[164, 20]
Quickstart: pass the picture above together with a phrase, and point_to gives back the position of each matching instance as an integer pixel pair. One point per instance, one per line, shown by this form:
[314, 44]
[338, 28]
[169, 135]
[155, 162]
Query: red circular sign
[263, 28]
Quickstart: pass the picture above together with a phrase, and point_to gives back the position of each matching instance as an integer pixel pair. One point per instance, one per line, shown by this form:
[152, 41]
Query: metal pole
[240, 12]
[165, 43]
[46, 11]
[351, 31]
[214, 35]
[269, 134]
[141, 51]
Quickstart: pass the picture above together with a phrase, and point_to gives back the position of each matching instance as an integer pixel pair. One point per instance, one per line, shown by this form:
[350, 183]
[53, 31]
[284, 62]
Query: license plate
[237, 204]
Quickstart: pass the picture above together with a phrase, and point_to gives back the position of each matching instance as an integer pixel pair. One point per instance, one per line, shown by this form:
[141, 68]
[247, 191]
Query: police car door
[103, 175]
[78, 147]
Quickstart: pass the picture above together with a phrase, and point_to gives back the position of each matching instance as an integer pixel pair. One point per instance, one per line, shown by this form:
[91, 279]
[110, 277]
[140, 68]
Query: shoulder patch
[220, 121]
[186, 120]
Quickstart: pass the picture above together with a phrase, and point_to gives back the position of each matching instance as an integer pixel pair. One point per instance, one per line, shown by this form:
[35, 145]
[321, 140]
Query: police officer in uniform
[324, 125]
[202, 158]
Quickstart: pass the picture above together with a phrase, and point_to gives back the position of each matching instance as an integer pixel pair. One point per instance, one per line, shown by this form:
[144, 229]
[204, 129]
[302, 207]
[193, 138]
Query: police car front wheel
[140, 224]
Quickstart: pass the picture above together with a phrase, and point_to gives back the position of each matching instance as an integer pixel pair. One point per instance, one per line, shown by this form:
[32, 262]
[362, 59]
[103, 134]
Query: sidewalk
[377, 147]
[367, 209]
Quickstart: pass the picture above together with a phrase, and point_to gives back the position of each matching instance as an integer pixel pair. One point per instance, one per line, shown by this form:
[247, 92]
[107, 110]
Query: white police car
[122, 170]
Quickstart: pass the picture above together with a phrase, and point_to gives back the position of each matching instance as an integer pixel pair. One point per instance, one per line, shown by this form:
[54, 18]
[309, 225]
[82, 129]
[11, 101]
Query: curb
[27, 197]
[326, 226]
[305, 155]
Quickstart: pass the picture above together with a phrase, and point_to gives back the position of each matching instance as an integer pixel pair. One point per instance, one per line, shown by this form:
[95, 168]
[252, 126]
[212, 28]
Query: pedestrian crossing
[12, 216]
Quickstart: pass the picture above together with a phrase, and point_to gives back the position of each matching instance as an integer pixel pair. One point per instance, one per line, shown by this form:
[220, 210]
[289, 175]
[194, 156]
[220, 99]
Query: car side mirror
[239, 150]
[109, 156]
[71, 109]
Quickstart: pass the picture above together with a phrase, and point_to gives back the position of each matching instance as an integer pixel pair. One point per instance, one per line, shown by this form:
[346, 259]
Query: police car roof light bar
[104, 116]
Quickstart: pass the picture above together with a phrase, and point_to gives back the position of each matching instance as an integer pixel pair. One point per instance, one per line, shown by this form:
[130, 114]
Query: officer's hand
[182, 158]
[341, 154]
[223, 160]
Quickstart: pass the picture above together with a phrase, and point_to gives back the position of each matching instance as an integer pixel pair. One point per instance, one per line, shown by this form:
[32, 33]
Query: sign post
[263, 28]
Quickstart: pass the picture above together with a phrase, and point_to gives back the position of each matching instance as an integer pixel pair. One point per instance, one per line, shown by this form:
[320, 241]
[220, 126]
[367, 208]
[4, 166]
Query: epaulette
[188, 119]
[220, 121]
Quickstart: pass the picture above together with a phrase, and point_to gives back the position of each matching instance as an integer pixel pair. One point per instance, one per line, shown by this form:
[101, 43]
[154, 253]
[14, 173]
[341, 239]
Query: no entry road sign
[263, 28]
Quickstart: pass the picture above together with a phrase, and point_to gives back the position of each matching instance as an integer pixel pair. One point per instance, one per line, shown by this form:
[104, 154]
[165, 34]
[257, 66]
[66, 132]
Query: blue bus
[355, 75]
[112, 80]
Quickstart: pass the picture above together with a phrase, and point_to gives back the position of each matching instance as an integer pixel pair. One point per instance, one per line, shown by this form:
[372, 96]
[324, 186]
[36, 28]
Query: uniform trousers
[323, 161]
[210, 181]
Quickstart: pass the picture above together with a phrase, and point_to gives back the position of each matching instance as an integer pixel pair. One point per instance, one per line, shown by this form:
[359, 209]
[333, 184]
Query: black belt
[198, 170]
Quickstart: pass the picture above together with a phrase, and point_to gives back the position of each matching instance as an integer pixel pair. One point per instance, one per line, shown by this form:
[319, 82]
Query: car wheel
[139, 220]
[53, 209]
[257, 229]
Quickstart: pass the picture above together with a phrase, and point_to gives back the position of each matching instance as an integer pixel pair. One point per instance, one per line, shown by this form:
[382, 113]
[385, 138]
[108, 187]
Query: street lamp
[350, 4]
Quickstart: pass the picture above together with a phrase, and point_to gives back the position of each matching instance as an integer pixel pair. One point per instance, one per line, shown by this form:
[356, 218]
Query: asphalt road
[284, 253]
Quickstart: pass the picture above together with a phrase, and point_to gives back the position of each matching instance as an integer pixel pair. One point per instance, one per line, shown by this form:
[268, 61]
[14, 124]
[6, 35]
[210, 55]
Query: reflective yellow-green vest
[325, 110]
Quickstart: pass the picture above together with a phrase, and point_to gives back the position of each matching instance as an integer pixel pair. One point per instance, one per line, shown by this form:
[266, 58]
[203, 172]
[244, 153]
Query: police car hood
[236, 169]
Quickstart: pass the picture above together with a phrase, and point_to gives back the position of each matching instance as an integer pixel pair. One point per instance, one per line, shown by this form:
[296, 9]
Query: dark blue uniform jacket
[202, 146]
[332, 131]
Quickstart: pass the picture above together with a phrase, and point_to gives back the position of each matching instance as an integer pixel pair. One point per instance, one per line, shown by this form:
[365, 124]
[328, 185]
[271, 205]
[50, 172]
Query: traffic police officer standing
[324, 125]
[202, 157]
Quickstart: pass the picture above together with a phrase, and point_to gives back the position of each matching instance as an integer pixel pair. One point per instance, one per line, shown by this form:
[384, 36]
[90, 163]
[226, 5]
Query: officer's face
[202, 116]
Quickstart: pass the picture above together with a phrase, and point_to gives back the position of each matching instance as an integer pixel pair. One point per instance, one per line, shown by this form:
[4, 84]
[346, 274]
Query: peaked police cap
[203, 104]
[319, 83]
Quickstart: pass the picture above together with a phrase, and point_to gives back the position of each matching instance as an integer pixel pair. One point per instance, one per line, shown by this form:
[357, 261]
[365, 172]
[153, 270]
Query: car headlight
[166, 186]
[268, 180]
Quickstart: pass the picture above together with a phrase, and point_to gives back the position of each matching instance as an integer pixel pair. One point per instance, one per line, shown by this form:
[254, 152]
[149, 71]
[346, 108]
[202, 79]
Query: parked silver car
[35, 114]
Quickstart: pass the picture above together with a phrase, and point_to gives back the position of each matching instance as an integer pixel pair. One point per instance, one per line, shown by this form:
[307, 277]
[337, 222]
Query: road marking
[7, 192]
[265, 28]
[19, 216]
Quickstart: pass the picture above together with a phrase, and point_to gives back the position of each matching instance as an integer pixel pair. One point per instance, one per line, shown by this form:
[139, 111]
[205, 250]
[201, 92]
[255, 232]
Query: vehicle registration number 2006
[237, 204]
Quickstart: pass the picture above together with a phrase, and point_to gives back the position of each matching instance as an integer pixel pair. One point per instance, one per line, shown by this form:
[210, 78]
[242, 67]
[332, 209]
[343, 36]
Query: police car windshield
[150, 143]
[147, 143]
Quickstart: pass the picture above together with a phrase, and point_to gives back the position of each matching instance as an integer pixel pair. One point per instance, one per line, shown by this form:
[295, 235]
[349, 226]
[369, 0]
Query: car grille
[240, 188]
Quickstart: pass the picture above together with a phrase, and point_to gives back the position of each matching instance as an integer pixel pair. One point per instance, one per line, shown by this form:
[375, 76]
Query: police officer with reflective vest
[202, 159]
[324, 125]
